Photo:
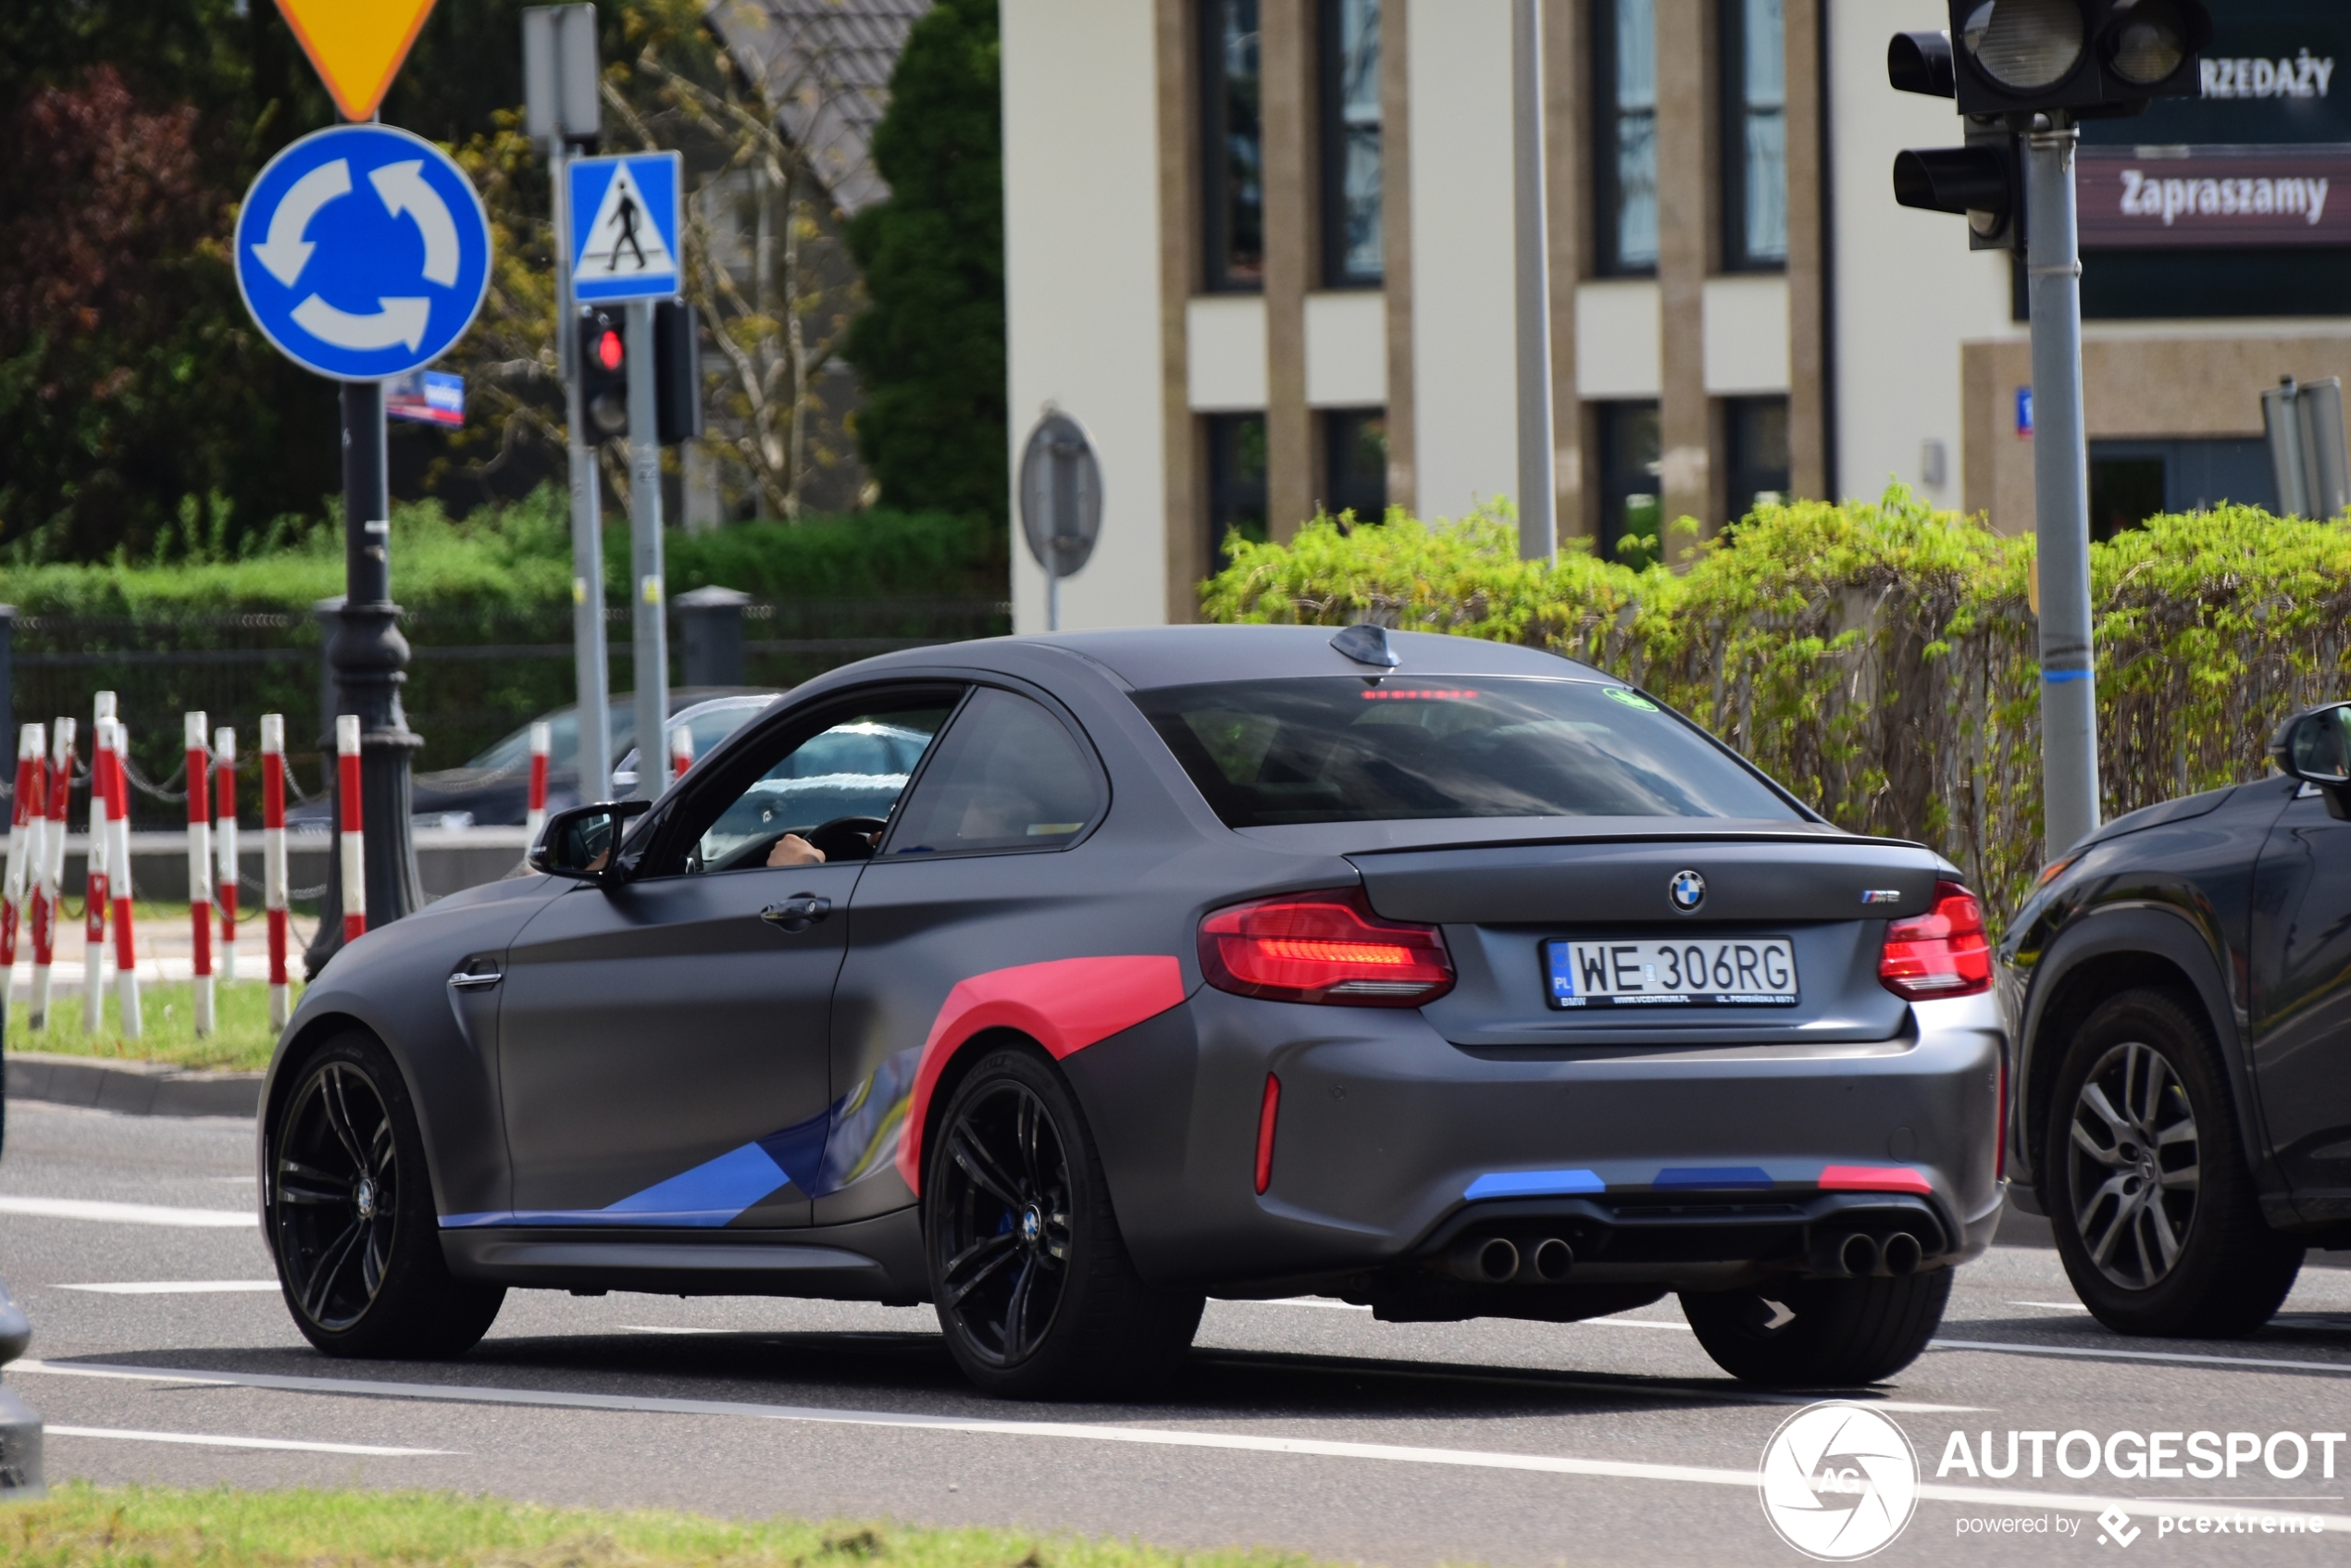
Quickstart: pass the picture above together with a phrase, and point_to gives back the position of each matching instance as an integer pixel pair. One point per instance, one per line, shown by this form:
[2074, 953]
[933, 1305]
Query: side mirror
[582, 842]
[2315, 747]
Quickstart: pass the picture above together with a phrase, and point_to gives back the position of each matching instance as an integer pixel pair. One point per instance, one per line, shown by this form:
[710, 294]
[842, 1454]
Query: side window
[1009, 776]
[845, 780]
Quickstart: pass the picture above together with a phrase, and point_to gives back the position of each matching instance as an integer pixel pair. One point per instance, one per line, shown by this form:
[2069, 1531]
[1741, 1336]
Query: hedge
[1880, 659]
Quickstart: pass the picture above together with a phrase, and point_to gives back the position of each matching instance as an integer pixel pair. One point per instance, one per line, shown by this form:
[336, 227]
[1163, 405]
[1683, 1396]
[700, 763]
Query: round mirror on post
[1060, 501]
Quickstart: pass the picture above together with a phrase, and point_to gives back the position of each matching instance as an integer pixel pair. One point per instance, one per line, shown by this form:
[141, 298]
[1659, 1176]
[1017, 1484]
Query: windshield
[1268, 753]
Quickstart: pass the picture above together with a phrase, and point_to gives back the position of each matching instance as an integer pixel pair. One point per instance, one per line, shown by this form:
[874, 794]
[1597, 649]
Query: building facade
[1263, 251]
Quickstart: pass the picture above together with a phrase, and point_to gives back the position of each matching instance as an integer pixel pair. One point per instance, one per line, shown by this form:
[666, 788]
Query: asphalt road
[1305, 1427]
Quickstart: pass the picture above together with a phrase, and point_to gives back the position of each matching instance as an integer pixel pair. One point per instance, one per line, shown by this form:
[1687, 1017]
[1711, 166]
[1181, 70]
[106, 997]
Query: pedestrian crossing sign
[623, 218]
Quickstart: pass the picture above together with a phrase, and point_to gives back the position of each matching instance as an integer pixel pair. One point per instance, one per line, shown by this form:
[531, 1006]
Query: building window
[1754, 135]
[1349, 42]
[1631, 508]
[1237, 499]
[1355, 463]
[1755, 430]
[1624, 143]
[1232, 146]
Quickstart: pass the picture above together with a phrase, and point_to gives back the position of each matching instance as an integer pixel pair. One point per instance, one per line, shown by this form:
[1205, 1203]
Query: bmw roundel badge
[1687, 889]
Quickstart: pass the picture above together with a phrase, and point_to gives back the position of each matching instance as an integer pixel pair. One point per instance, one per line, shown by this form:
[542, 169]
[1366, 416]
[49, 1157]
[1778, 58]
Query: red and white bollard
[681, 752]
[224, 845]
[48, 876]
[355, 859]
[28, 823]
[273, 859]
[200, 874]
[535, 817]
[94, 879]
[114, 745]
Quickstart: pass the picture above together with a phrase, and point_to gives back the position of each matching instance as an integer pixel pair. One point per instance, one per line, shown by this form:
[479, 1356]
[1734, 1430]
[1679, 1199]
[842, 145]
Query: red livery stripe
[1064, 1005]
[1874, 1178]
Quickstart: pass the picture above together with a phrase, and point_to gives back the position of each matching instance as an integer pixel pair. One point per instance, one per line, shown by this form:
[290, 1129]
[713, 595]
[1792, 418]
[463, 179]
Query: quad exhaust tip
[1901, 1253]
[1857, 1256]
[1489, 1261]
[1553, 1259]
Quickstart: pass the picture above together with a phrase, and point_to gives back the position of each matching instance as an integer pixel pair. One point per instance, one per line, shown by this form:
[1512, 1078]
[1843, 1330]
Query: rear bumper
[1673, 1167]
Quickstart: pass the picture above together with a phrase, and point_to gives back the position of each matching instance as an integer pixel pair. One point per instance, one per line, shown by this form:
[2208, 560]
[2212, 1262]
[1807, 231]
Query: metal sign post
[363, 254]
[562, 109]
[1060, 502]
[2061, 491]
[623, 236]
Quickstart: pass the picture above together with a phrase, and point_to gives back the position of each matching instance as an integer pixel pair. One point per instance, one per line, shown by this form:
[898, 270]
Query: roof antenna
[1366, 645]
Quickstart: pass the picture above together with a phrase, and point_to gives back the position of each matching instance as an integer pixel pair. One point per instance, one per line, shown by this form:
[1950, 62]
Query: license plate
[1717, 972]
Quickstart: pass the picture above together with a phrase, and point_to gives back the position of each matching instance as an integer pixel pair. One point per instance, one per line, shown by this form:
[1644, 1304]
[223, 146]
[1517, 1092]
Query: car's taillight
[1942, 952]
[1325, 947]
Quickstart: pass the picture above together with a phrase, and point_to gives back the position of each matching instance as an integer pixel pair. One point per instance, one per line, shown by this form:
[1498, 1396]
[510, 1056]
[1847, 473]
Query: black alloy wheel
[2145, 1178]
[1006, 1221]
[338, 1195]
[351, 1217]
[1034, 1290]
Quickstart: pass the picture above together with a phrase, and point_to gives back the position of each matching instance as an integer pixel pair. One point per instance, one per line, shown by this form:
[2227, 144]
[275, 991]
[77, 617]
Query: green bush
[1880, 659]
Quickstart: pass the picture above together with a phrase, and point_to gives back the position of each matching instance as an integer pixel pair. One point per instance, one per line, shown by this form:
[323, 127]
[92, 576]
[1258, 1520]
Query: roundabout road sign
[363, 252]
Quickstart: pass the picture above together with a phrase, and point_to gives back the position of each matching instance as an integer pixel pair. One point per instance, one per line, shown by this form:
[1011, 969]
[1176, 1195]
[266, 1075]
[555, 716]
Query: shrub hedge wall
[1880, 659]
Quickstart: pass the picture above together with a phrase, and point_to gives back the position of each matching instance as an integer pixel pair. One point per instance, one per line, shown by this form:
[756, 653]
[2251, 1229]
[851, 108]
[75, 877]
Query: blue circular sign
[363, 252]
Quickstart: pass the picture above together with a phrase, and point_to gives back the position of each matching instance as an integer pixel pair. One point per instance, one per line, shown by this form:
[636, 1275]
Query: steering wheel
[847, 838]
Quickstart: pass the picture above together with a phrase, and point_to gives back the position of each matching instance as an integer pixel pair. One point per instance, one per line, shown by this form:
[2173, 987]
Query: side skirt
[872, 1259]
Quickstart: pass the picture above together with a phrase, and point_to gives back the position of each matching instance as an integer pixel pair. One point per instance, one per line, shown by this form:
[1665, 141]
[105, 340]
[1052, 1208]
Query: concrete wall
[1463, 323]
[1907, 290]
[1082, 298]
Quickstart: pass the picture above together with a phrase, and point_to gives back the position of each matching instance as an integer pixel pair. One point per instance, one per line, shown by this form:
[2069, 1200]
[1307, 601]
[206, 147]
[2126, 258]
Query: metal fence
[474, 674]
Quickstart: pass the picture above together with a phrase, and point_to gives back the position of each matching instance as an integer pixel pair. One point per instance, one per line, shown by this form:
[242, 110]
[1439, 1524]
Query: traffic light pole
[2061, 489]
[369, 661]
[650, 656]
[590, 659]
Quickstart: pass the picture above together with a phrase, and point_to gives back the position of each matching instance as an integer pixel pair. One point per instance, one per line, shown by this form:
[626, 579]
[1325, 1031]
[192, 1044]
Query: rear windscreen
[1268, 753]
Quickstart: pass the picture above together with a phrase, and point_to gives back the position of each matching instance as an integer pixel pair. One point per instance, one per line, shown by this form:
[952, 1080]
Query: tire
[1031, 1279]
[2152, 1204]
[1820, 1333]
[351, 1218]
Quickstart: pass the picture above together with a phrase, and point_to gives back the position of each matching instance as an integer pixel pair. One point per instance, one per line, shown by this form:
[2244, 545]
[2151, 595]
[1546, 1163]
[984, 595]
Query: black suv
[2179, 987]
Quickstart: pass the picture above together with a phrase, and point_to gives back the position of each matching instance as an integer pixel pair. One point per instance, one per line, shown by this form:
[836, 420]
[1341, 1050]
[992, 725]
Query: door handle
[797, 914]
[470, 981]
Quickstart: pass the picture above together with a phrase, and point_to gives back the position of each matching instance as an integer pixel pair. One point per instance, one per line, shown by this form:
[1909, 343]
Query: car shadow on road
[911, 1371]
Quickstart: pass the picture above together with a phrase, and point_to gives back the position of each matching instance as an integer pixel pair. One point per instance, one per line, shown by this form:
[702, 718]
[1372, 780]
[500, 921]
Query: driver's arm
[793, 849]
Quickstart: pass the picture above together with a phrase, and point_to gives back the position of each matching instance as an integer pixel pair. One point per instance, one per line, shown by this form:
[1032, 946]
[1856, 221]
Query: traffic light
[2013, 59]
[603, 373]
[2093, 58]
[676, 372]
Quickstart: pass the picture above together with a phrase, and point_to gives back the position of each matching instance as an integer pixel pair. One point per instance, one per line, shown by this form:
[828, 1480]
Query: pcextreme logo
[1839, 1481]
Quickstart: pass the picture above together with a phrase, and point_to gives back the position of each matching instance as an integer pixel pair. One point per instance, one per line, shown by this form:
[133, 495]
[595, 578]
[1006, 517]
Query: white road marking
[1549, 1465]
[1636, 1323]
[214, 1440]
[126, 1214]
[2087, 1353]
[656, 1328]
[177, 1287]
[1303, 1301]
[2054, 1306]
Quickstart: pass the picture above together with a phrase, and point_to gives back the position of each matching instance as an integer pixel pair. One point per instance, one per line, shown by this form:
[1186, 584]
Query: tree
[929, 351]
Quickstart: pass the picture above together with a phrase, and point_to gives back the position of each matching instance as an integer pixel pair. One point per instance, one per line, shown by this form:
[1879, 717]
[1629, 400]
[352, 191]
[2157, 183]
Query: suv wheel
[1033, 1286]
[351, 1216]
[1820, 1333]
[2148, 1191]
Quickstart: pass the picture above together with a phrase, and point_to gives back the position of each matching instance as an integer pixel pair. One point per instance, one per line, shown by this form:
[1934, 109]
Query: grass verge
[85, 1527]
[242, 1036]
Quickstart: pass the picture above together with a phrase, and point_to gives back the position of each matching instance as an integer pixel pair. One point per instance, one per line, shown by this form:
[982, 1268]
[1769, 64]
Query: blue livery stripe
[1533, 1184]
[712, 1194]
[1714, 1178]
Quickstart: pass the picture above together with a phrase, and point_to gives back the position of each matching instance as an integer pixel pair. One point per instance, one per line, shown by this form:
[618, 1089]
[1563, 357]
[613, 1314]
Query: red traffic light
[608, 349]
